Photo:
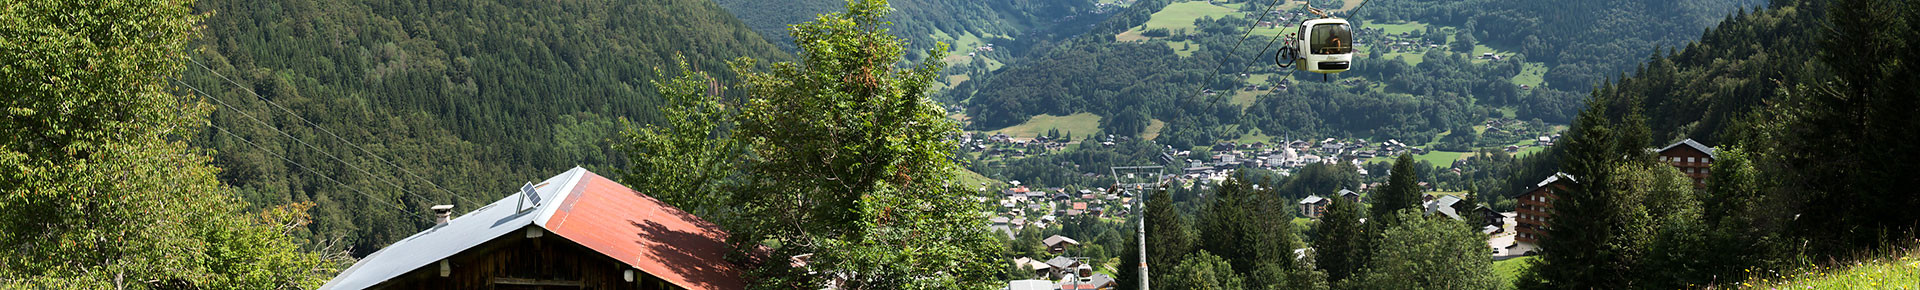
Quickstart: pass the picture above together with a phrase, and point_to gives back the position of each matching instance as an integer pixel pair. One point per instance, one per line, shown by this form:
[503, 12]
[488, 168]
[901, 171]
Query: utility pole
[1132, 181]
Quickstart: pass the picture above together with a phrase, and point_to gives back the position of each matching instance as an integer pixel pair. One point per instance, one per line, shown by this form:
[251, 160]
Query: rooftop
[580, 206]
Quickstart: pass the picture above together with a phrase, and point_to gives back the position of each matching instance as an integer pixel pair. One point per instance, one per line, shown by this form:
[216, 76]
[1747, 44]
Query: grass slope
[1901, 272]
[1178, 16]
[1153, 129]
[1509, 270]
[1443, 159]
[1079, 124]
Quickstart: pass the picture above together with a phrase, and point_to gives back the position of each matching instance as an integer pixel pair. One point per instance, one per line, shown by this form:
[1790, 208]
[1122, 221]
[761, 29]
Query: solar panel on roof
[527, 190]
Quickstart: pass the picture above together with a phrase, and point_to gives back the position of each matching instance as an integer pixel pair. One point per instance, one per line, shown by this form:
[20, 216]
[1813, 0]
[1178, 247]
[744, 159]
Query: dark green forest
[1016, 25]
[412, 103]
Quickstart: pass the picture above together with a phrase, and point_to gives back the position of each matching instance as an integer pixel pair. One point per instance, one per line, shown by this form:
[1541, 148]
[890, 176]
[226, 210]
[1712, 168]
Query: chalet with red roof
[577, 230]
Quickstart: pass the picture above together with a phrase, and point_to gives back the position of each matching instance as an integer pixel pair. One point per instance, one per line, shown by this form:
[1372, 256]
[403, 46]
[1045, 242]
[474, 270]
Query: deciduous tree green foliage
[1204, 271]
[850, 164]
[1341, 249]
[685, 159]
[99, 188]
[476, 97]
[1428, 252]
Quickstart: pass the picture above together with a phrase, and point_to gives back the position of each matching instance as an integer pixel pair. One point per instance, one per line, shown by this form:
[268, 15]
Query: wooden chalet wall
[515, 261]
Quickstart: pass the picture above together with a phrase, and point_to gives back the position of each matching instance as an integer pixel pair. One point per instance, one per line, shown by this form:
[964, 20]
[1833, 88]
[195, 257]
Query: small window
[1332, 39]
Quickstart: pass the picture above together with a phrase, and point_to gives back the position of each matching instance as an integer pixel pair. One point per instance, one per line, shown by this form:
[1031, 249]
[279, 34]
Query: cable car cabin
[1329, 45]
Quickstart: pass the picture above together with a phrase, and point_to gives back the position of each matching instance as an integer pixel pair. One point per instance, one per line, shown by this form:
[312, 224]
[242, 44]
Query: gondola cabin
[1329, 44]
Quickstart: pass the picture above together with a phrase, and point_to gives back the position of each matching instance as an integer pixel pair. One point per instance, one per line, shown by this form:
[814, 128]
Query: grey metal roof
[1100, 280]
[1556, 177]
[1057, 239]
[1311, 199]
[1346, 192]
[1696, 146]
[1062, 262]
[1030, 285]
[1444, 205]
[502, 217]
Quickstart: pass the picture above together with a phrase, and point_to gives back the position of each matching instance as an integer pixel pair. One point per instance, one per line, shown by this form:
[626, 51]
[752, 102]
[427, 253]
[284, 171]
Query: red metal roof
[645, 233]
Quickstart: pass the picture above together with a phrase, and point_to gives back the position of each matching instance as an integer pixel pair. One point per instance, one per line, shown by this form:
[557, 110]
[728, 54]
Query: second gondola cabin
[1329, 44]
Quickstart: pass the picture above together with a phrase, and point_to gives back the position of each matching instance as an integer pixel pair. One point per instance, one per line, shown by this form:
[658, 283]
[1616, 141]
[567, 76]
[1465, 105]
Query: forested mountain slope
[1809, 104]
[1583, 42]
[437, 102]
[1149, 63]
[1012, 24]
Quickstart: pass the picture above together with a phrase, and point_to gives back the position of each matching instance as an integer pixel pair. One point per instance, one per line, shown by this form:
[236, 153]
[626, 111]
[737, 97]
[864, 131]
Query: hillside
[430, 102]
[1179, 61]
[981, 35]
[1811, 159]
[1582, 43]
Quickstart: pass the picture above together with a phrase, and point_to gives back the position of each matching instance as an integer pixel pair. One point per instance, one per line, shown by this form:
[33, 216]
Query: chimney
[441, 213]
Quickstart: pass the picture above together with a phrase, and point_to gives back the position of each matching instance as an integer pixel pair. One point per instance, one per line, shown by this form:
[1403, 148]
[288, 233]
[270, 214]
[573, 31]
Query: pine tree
[1600, 225]
[1251, 228]
[1169, 237]
[1401, 192]
[1341, 248]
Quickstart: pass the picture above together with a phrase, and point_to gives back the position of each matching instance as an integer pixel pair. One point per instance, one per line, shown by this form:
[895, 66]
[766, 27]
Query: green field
[1480, 48]
[1130, 35]
[1349, 5]
[1509, 270]
[1244, 98]
[1531, 74]
[1179, 16]
[1153, 129]
[1255, 137]
[959, 47]
[1410, 26]
[955, 80]
[1508, 112]
[1182, 48]
[1079, 124]
[969, 179]
[1411, 58]
[1443, 159]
